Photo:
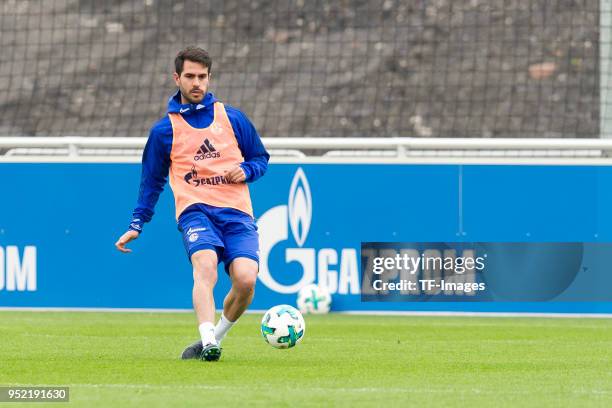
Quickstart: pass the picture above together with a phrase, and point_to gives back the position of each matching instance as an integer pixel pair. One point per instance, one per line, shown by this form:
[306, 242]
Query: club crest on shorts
[193, 237]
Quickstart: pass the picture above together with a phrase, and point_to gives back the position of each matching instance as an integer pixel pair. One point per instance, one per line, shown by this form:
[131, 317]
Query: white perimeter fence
[397, 149]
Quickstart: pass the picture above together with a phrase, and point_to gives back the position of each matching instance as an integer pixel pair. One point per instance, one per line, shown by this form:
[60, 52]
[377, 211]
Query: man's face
[193, 82]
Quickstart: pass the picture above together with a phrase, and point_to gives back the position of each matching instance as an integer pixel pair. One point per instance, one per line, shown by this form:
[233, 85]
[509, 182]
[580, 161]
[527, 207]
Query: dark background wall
[373, 68]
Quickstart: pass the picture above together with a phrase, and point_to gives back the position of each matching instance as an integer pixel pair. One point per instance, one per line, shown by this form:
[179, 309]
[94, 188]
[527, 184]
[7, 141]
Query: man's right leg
[204, 279]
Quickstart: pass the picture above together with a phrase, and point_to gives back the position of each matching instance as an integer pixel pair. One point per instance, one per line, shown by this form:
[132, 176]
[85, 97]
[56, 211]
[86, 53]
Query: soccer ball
[283, 326]
[313, 299]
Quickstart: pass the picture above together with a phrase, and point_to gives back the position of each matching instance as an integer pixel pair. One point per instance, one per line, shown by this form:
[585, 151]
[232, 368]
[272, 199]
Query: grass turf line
[131, 359]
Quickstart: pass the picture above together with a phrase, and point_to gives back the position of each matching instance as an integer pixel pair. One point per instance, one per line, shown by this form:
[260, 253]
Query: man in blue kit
[209, 152]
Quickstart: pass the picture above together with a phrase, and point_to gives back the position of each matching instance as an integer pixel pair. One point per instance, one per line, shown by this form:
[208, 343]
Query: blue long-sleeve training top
[156, 155]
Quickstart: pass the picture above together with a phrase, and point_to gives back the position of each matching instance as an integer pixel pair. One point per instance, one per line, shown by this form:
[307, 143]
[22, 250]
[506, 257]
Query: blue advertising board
[59, 221]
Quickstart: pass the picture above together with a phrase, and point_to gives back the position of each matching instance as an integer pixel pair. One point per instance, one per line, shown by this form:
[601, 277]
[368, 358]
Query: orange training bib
[199, 158]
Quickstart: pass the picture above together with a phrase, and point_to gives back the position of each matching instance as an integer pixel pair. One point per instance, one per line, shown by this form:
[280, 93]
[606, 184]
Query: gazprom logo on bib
[336, 269]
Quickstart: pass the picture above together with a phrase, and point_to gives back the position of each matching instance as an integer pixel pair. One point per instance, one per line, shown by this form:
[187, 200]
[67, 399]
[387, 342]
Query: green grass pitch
[131, 360]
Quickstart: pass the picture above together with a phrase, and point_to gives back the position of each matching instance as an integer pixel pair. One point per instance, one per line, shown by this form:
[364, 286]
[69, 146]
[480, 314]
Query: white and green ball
[314, 299]
[283, 326]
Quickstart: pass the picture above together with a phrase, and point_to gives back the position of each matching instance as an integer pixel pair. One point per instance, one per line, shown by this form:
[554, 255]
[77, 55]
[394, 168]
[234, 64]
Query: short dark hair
[194, 54]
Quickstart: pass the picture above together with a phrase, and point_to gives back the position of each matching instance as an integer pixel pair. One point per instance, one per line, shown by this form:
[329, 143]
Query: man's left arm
[255, 155]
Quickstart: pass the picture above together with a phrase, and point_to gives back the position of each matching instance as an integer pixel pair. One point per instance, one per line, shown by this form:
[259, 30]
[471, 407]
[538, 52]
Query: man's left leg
[243, 272]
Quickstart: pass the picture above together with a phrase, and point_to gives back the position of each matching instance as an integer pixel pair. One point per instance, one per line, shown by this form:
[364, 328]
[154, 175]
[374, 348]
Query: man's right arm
[155, 167]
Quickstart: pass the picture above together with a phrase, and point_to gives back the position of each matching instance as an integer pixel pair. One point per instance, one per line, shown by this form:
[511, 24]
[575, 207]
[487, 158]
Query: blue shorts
[229, 232]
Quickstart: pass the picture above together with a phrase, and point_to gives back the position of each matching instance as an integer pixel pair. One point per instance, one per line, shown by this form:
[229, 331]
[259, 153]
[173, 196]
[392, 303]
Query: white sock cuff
[226, 320]
[222, 327]
[206, 326]
[207, 332]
